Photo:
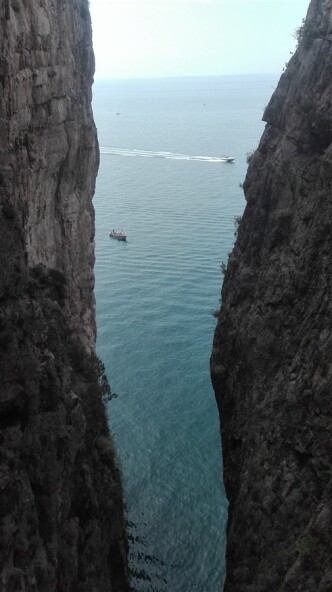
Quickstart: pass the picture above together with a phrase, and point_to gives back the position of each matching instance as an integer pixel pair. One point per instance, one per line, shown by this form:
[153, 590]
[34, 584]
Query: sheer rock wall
[61, 509]
[48, 147]
[271, 363]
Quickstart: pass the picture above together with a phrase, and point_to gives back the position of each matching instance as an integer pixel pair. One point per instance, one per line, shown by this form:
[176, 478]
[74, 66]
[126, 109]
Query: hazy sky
[143, 38]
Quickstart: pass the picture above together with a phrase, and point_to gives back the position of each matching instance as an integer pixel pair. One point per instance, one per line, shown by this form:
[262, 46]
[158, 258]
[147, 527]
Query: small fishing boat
[118, 235]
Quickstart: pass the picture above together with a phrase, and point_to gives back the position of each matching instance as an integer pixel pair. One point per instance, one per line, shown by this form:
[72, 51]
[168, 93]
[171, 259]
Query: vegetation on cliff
[61, 504]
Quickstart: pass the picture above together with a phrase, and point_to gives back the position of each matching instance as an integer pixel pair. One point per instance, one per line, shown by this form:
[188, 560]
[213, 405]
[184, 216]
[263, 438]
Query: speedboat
[227, 158]
[118, 235]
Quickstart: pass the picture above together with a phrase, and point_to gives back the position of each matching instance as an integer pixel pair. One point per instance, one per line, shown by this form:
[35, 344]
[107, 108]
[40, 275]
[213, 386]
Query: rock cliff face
[61, 511]
[48, 145]
[271, 363]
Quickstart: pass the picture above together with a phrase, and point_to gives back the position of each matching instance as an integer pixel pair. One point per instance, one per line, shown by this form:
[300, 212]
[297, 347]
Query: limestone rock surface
[48, 148]
[271, 363]
[61, 508]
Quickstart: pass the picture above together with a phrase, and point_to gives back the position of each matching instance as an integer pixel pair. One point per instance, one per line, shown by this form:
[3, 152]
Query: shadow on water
[144, 568]
[121, 243]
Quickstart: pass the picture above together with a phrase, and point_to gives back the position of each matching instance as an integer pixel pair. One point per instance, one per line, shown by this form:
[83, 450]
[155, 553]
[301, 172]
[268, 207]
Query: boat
[118, 235]
[227, 158]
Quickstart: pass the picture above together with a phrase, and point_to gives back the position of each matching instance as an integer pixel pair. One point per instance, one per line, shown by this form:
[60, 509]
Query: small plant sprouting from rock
[98, 394]
[306, 33]
[249, 156]
[94, 371]
[98, 369]
[237, 222]
[223, 267]
[299, 32]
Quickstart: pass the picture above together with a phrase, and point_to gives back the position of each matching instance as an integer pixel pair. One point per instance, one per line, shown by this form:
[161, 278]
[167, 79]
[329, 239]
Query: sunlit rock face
[48, 145]
[61, 511]
[271, 363]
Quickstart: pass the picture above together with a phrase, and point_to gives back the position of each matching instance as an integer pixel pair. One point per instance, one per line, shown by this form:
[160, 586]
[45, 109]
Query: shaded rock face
[271, 363]
[61, 510]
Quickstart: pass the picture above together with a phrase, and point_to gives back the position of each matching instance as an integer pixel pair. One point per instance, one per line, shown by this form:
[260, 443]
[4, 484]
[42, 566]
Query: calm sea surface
[160, 180]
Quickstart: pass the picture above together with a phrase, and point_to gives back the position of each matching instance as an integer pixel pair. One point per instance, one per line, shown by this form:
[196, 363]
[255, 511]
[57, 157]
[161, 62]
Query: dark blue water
[155, 297]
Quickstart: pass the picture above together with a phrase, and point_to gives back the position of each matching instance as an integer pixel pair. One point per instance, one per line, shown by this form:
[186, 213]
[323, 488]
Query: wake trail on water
[158, 154]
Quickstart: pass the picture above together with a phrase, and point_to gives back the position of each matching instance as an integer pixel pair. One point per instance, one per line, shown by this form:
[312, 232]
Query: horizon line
[168, 76]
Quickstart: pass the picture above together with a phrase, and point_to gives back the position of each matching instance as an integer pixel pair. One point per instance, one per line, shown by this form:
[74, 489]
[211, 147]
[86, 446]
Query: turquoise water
[155, 296]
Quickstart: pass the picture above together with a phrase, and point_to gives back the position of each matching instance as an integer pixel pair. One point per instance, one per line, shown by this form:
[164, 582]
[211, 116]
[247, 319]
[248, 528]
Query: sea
[162, 181]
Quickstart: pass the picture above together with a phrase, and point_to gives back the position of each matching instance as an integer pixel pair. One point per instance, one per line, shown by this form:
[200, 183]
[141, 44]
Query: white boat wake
[157, 154]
